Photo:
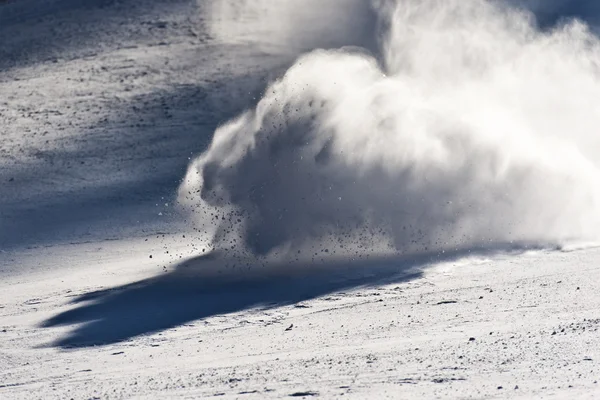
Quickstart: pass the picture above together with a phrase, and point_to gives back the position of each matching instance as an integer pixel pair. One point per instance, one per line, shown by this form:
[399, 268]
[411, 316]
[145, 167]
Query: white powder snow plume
[470, 127]
[290, 26]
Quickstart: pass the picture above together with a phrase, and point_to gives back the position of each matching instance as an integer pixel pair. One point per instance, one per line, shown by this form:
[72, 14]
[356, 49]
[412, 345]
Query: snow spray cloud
[470, 128]
[292, 26]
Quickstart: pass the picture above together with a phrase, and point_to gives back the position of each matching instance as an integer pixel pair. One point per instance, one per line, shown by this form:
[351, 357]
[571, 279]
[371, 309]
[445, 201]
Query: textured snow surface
[513, 326]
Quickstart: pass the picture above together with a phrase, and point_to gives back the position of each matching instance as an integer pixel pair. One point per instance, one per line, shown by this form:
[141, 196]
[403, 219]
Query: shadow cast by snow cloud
[211, 285]
[201, 288]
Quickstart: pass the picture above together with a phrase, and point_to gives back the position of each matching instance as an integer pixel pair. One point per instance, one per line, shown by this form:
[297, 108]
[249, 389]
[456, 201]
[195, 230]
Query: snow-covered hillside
[104, 321]
[110, 288]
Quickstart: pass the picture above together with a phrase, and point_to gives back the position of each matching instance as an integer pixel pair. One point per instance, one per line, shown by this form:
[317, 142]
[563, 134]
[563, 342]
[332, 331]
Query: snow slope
[106, 290]
[500, 326]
